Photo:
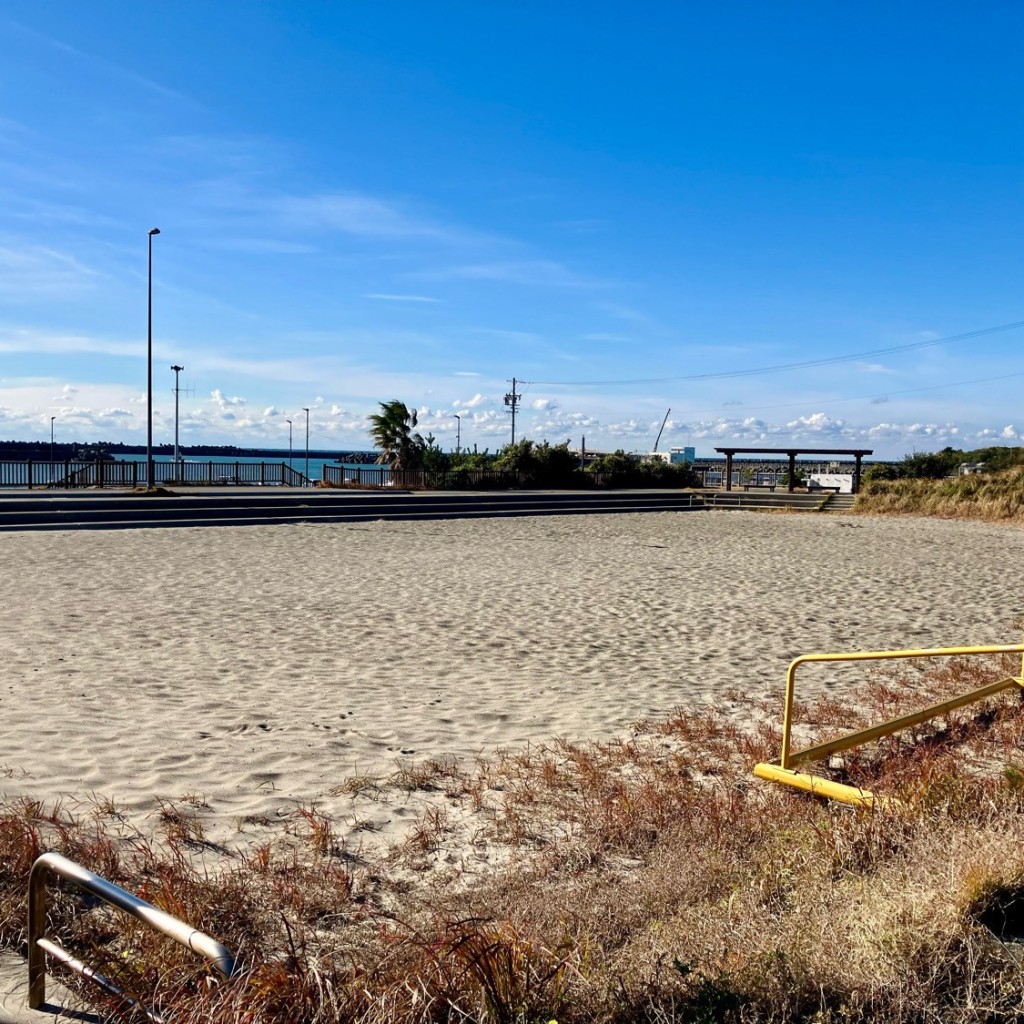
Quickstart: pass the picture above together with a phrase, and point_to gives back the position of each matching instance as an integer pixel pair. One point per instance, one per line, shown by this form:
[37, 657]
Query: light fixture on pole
[289, 422]
[458, 433]
[149, 369]
[306, 411]
[177, 453]
[52, 418]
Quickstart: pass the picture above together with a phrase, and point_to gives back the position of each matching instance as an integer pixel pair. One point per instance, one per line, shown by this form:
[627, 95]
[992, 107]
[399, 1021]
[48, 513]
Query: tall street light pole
[150, 482]
[306, 411]
[458, 433]
[52, 418]
[177, 453]
[289, 422]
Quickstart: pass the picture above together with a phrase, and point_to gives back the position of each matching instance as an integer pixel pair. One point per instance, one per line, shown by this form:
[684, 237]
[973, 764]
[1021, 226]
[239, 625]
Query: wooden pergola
[792, 453]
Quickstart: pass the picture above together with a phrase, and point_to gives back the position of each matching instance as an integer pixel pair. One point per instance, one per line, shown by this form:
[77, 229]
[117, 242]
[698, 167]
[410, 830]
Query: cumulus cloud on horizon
[223, 401]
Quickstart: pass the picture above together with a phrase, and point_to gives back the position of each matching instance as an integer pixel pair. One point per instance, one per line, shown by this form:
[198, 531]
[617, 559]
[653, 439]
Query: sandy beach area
[255, 668]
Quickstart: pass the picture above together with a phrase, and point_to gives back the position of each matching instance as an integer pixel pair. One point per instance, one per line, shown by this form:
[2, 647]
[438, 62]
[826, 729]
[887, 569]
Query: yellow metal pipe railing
[929, 652]
[783, 770]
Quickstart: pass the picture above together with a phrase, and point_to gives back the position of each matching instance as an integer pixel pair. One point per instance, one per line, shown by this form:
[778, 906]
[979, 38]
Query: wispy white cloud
[518, 337]
[20, 207]
[12, 131]
[620, 311]
[117, 72]
[386, 297]
[581, 225]
[30, 272]
[260, 246]
[533, 273]
[20, 339]
[362, 215]
[603, 336]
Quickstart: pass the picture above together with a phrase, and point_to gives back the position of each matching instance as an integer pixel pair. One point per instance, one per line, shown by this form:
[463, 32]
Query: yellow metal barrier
[783, 770]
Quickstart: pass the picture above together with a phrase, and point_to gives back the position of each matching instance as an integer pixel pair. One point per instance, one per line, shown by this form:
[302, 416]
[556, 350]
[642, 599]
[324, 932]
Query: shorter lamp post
[458, 433]
[306, 411]
[289, 422]
[177, 452]
[52, 418]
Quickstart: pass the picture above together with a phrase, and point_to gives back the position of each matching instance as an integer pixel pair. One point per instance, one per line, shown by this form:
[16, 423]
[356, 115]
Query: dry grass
[646, 880]
[994, 497]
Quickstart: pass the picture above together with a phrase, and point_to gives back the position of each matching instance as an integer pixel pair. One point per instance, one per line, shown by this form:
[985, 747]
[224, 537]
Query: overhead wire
[780, 367]
[882, 394]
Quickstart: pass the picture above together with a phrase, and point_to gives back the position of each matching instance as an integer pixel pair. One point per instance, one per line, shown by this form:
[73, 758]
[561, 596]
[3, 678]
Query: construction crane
[660, 432]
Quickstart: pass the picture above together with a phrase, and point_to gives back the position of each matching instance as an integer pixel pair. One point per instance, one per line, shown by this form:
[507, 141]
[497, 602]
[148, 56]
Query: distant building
[970, 468]
[675, 457]
[588, 456]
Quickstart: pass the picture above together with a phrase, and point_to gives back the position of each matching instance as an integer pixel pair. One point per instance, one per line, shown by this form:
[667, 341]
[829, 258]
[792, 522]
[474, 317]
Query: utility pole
[512, 400]
[177, 391]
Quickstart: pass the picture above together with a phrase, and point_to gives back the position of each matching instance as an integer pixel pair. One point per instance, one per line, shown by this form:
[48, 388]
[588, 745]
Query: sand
[255, 668]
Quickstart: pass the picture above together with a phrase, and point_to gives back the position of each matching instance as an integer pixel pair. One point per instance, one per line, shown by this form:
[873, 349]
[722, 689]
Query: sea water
[297, 462]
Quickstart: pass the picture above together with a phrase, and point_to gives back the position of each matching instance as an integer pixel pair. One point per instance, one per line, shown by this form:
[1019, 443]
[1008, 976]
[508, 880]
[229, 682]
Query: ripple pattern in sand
[258, 666]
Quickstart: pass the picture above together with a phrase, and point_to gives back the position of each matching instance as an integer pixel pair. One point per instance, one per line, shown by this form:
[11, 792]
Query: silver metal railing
[38, 945]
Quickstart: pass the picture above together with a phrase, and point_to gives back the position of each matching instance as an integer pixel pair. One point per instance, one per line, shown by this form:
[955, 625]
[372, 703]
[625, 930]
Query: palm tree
[392, 432]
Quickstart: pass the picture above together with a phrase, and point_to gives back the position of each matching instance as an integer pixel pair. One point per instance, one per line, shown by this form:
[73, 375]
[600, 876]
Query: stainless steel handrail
[38, 945]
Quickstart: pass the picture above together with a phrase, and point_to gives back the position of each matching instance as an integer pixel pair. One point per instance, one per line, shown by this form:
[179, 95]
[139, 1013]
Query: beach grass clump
[994, 497]
[647, 879]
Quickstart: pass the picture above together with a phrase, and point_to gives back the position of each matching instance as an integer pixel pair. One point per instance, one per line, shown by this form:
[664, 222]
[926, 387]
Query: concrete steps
[246, 508]
[100, 510]
[840, 503]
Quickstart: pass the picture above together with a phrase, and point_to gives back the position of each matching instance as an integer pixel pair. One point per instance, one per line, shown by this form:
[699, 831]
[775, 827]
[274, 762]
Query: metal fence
[124, 473]
[247, 473]
[71, 473]
[110, 473]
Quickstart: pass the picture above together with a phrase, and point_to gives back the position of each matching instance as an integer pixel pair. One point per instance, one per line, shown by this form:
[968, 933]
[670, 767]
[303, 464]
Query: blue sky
[626, 206]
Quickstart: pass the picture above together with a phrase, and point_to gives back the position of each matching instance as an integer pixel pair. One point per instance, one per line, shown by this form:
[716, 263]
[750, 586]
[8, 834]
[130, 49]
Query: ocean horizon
[297, 462]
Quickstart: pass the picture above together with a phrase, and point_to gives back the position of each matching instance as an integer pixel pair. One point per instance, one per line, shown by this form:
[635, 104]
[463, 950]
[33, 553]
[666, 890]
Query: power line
[867, 398]
[780, 367]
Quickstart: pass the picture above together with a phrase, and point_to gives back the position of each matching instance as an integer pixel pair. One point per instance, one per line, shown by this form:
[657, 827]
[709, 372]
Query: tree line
[538, 464]
[937, 465]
